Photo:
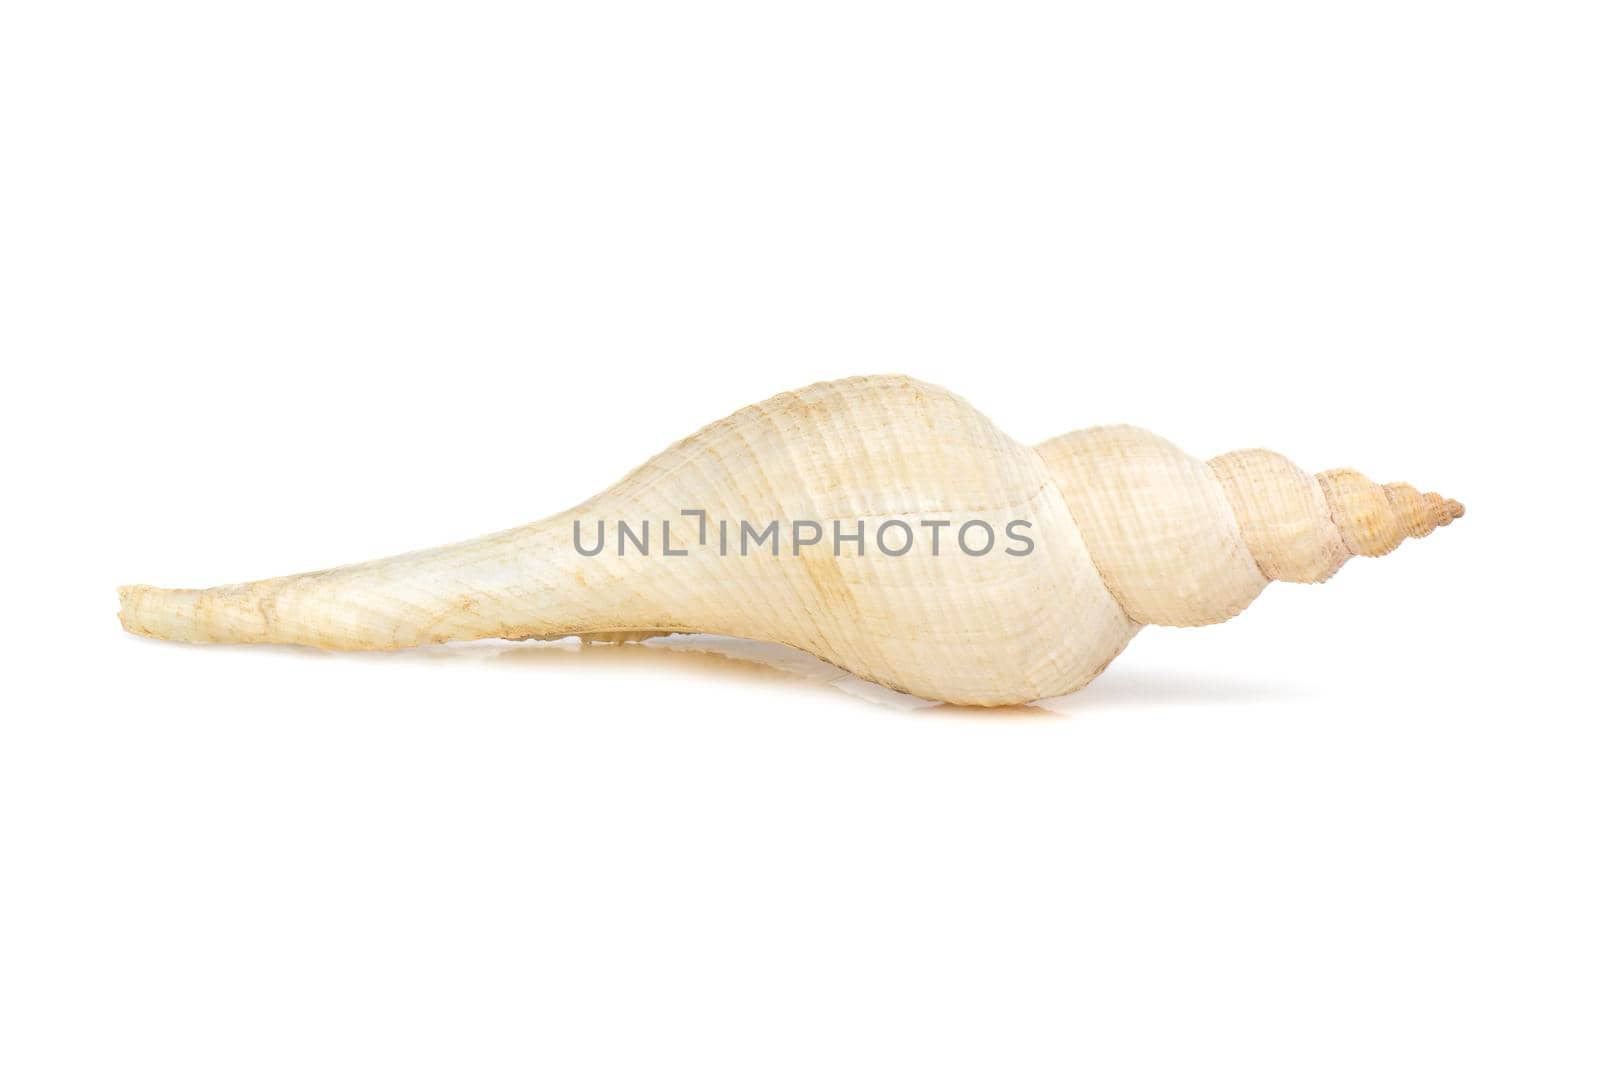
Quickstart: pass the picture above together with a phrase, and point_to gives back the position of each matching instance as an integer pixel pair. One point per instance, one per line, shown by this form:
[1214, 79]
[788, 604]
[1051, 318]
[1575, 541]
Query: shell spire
[1302, 527]
[1373, 519]
[898, 533]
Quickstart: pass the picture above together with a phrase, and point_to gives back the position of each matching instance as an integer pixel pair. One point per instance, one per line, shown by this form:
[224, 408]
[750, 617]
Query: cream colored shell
[1126, 530]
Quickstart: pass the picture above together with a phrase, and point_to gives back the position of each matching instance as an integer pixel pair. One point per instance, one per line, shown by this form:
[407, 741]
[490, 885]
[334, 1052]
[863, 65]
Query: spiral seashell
[881, 492]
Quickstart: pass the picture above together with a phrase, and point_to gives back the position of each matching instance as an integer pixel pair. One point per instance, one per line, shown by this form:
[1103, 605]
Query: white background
[297, 284]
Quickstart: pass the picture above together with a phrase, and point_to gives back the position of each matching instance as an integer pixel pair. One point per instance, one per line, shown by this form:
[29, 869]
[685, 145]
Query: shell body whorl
[1107, 530]
[940, 623]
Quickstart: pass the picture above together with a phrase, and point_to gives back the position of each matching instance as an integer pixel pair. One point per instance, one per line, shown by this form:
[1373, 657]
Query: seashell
[881, 524]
